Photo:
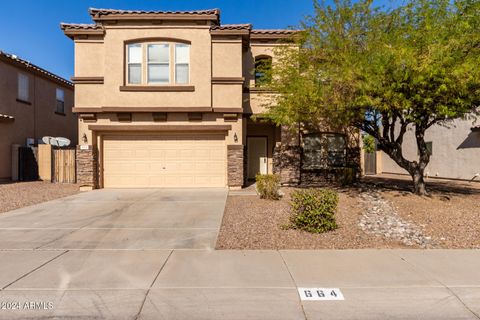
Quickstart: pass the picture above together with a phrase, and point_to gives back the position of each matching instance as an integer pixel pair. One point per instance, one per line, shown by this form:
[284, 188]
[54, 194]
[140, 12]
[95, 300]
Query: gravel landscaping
[21, 194]
[380, 212]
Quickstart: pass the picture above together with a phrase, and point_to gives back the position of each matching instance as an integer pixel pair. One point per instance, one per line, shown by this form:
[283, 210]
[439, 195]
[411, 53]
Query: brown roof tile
[13, 59]
[102, 14]
[80, 26]
[272, 34]
[274, 31]
[245, 26]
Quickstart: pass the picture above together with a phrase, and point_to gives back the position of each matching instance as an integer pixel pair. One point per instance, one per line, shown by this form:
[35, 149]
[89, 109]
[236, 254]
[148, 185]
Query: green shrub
[314, 210]
[268, 186]
[369, 143]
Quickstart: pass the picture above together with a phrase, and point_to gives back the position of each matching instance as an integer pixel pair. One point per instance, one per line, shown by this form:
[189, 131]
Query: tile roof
[13, 59]
[96, 13]
[274, 31]
[80, 26]
[245, 26]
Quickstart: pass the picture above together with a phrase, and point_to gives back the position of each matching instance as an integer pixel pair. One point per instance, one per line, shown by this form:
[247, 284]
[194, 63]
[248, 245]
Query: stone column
[289, 163]
[288, 156]
[235, 166]
[87, 173]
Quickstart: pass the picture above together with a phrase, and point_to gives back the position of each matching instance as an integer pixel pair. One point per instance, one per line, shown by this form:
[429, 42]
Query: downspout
[35, 109]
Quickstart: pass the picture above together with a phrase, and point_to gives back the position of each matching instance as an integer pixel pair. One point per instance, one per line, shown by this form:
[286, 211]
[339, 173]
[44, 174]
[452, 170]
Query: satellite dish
[56, 141]
[47, 139]
[62, 142]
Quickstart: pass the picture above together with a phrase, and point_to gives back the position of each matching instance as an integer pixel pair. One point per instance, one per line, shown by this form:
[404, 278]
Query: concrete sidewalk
[206, 284]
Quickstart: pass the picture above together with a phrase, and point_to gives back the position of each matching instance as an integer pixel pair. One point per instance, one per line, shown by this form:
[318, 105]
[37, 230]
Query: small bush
[268, 186]
[314, 210]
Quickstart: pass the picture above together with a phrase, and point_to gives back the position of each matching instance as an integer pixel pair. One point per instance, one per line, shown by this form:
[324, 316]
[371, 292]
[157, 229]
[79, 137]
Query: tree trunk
[418, 182]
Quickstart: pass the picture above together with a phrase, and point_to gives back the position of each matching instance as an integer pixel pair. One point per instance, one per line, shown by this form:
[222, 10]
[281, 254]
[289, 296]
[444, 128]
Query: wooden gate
[370, 163]
[64, 165]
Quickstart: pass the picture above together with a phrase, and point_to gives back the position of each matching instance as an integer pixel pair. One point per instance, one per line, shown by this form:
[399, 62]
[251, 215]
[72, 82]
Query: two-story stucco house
[165, 99]
[33, 103]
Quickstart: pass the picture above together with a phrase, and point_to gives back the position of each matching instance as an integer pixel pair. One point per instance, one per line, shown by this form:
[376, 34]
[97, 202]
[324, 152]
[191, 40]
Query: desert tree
[382, 71]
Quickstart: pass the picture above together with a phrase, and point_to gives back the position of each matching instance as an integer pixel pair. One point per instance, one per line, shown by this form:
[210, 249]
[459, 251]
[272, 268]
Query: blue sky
[30, 28]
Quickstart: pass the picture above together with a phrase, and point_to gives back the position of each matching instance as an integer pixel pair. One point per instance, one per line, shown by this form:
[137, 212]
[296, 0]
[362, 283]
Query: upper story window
[60, 97]
[182, 58]
[23, 92]
[324, 150]
[134, 63]
[263, 69]
[158, 63]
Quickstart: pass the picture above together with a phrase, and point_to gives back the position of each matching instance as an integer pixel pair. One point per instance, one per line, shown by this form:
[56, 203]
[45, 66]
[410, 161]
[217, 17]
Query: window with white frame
[323, 151]
[158, 63]
[23, 87]
[134, 63]
[60, 106]
[182, 57]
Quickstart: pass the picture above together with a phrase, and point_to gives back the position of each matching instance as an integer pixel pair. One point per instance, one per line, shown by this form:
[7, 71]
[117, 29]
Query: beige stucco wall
[456, 151]
[227, 58]
[257, 102]
[33, 120]
[112, 68]
[89, 58]
[227, 95]
[200, 68]
[172, 119]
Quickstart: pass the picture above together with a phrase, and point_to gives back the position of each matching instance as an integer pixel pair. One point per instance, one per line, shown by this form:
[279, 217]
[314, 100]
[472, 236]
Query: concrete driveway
[118, 219]
[147, 254]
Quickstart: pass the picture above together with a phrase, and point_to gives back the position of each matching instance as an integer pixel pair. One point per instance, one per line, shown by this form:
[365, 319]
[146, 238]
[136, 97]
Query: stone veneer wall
[235, 165]
[87, 166]
[286, 163]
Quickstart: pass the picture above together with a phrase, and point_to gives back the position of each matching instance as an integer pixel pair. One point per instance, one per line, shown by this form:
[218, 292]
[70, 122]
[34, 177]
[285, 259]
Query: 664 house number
[319, 294]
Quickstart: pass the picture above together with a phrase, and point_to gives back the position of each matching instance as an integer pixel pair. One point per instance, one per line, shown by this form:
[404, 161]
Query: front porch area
[299, 156]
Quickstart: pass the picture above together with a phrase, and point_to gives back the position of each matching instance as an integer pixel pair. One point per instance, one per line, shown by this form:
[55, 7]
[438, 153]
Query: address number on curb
[320, 294]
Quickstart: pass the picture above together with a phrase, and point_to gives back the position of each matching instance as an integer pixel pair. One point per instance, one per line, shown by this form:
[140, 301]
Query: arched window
[158, 63]
[263, 71]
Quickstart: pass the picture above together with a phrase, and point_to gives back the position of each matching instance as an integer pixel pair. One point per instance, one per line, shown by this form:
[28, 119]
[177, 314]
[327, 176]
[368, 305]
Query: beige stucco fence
[56, 165]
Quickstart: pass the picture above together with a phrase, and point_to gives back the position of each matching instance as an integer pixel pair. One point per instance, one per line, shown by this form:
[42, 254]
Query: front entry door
[257, 156]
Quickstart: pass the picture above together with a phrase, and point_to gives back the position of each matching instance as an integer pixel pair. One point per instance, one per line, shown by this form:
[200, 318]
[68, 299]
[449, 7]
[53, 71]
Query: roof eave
[78, 32]
[271, 37]
[230, 32]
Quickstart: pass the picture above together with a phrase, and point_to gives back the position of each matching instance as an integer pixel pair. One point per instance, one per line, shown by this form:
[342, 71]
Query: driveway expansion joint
[35, 269]
[426, 274]
[294, 282]
[151, 285]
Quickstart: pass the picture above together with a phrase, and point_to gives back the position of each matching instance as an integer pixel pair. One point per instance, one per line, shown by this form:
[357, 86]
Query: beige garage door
[164, 161]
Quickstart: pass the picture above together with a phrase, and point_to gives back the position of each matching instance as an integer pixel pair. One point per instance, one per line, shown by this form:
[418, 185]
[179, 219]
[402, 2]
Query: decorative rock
[380, 218]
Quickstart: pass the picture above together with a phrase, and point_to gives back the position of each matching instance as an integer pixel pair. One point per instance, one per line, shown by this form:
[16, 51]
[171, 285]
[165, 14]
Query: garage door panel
[164, 161]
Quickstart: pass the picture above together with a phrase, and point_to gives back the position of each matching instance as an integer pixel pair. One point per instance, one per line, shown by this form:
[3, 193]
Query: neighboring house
[455, 151]
[33, 103]
[165, 99]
